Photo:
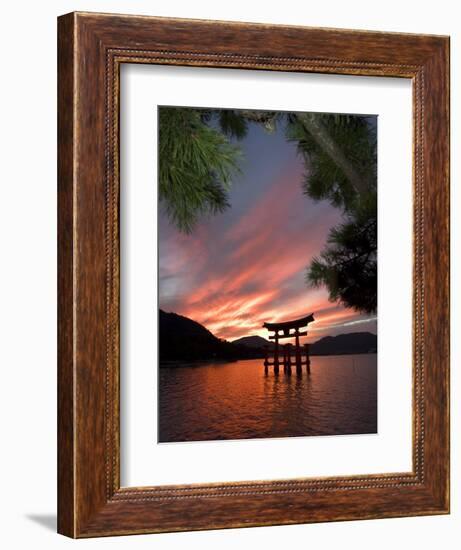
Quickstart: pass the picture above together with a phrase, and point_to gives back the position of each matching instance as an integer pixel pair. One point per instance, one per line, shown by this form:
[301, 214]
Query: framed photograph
[253, 275]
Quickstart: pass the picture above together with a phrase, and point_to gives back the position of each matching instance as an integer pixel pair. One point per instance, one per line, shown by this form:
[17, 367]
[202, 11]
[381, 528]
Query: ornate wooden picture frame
[92, 48]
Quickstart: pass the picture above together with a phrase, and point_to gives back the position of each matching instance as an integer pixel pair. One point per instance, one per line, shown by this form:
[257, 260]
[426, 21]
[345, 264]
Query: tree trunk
[320, 134]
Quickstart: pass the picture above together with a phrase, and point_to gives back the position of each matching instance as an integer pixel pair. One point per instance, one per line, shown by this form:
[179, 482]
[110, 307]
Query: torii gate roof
[296, 323]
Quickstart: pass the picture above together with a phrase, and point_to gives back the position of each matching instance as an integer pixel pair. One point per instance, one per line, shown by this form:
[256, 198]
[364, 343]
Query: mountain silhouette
[255, 342]
[182, 339]
[353, 342]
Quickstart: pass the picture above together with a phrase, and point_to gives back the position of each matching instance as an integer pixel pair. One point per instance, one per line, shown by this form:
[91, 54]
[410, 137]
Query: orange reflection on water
[237, 401]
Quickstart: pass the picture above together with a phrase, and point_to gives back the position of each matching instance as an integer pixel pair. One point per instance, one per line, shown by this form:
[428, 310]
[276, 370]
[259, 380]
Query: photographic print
[267, 282]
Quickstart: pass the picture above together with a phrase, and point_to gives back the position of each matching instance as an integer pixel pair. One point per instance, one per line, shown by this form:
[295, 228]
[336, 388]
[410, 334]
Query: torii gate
[283, 330]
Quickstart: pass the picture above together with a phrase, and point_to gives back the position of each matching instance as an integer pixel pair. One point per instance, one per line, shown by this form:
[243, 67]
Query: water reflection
[238, 401]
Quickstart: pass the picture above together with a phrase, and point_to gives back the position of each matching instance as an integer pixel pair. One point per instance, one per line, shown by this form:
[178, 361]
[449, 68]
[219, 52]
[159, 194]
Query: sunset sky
[247, 265]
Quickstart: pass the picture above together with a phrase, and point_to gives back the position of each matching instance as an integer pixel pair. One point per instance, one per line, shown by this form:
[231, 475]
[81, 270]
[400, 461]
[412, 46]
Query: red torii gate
[284, 330]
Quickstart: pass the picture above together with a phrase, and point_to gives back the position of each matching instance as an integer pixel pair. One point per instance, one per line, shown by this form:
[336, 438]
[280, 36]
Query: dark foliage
[324, 179]
[348, 263]
[346, 176]
[196, 165]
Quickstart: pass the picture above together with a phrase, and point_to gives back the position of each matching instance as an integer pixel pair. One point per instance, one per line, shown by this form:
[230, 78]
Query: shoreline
[205, 362]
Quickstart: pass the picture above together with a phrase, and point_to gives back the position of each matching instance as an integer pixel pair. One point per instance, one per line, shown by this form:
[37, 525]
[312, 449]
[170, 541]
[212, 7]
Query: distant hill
[182, 339]
[354, 342]
[255, 342]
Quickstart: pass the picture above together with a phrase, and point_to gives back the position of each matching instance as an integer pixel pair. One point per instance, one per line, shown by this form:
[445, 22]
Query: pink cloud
[236, 277]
